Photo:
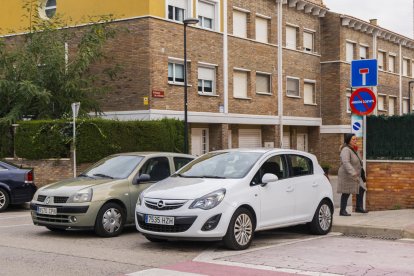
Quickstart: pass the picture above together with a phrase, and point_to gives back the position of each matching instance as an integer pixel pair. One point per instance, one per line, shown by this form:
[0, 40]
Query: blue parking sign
[364, 73]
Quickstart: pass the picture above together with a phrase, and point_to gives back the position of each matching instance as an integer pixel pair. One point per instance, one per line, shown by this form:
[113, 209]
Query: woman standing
[349, 175]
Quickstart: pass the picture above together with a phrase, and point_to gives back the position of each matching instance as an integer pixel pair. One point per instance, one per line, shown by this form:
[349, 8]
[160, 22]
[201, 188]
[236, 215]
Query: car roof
[268, 150]
[155, 153]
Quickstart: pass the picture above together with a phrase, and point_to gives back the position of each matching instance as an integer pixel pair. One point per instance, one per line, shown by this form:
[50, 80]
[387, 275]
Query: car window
[274, 165]
[157, 168]
[120, 166]
[301, 165]
[2, 168]
[180, 162]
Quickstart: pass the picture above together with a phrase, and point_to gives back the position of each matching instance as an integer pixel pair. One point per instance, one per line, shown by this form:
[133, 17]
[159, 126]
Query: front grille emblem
[160, 204]
[47, 200]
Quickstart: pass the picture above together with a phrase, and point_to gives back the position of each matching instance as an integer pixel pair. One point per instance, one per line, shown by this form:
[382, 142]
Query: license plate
[46, 211]
[159, 220]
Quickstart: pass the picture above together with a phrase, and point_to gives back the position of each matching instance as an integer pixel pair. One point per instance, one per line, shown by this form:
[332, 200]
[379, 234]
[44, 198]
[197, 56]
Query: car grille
[56, 199]
[51, 218]
[182, 224]
[164, 204]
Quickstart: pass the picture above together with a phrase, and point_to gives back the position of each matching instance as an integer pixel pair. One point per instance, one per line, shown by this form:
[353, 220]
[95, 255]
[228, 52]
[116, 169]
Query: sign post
[75, 111]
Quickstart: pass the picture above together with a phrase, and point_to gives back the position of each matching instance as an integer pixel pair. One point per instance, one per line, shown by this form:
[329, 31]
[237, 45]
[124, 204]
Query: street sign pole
[75, 111]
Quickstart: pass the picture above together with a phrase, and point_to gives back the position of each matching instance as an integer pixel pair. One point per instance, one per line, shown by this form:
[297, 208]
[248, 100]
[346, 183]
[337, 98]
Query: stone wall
[390, 185]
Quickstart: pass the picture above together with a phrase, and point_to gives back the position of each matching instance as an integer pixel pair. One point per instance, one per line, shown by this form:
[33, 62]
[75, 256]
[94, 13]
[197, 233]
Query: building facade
[266, 73]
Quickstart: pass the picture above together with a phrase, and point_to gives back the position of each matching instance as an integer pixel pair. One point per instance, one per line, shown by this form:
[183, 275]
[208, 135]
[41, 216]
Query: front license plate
[46, 211]
[159, 220]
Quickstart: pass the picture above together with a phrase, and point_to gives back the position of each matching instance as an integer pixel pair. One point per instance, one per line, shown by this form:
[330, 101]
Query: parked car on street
[103, 197]
[16, 185]
[229, 194]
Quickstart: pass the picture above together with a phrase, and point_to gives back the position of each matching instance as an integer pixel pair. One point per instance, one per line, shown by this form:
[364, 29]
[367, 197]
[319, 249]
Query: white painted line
[163, 272]
[9, 226]
[23, 216]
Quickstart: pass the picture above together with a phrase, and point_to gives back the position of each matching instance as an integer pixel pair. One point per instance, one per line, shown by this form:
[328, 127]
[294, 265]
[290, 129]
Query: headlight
[84, 195]
[140, 199]
[209, 201]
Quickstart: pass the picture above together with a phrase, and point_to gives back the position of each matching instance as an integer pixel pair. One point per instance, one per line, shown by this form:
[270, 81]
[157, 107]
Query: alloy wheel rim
[243, 229]
[2, 199]
[325, 217]
[111, 220]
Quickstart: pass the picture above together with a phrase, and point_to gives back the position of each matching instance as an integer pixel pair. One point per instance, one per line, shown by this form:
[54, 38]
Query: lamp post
[186, 22]
[75, 111]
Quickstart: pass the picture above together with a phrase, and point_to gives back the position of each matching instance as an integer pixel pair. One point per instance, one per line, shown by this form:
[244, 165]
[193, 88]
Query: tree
[40, 75]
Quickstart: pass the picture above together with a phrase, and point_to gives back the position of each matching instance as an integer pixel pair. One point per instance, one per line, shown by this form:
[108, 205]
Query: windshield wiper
[103, 175]
[212, 176]
[85, 175]
[185, 176]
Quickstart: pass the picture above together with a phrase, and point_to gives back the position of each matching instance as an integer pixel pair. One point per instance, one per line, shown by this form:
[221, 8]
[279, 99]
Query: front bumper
[85, 215]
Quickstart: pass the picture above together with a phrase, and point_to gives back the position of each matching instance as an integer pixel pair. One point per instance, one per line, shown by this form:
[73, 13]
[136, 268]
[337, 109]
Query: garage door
[250, 138]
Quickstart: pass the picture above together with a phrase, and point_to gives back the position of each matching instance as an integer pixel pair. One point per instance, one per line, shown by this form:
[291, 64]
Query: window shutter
[391, 107]
[309, 92]
[291, 37]
[381, 102]
[363, 52]
[178, 3]
[308, 41]
[206, 9]
[240, 84]
[239, 24]
[293, 87]
[349, 51]
[380, 60]
[262, 83]
[205, 73]
[262, 29]
[405, 67]
[391, 64]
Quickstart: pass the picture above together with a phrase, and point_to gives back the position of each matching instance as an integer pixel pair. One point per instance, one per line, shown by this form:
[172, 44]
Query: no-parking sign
[363, 101]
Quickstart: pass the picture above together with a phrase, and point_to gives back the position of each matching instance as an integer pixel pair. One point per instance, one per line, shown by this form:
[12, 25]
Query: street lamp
[186, 22]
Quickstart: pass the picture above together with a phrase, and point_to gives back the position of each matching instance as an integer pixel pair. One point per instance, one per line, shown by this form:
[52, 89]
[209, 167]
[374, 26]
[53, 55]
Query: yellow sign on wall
[145, 100]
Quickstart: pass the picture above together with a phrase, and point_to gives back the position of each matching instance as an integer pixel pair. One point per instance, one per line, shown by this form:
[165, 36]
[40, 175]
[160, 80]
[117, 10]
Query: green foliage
[6, 140]
[96, 138]
[36, 78]
[390, 137]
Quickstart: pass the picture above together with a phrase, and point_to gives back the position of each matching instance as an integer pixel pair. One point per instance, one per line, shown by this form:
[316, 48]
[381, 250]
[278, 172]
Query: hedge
[96, 138]
[6, 140]
[390, 137]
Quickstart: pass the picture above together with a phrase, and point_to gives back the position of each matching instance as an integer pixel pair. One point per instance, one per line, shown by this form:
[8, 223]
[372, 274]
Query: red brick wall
[390, 185]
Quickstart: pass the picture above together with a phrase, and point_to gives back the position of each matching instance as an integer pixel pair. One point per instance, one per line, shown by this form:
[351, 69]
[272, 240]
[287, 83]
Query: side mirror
[142, 178]
[269, 177]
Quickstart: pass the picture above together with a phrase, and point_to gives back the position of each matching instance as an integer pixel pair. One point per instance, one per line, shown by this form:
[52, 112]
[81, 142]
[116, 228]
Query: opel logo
[160, 204]
[47, 200]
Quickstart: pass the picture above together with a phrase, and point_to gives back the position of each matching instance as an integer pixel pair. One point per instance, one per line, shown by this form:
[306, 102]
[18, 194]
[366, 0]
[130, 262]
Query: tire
[321, 223]
[4, 200]
[151, 239]
[110, 220]
[55, 229]
[240, 231]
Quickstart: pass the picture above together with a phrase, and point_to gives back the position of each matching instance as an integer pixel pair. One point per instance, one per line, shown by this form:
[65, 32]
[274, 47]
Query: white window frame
[269, 76]
[349, 58]
[307, 49]
[393, 105]
[287, 91]
[236, 31]
[313, 83]
[382, 97]
[246, 73]
[175, 62]
[294, 43]
[391, 65]
[381, 65]
[187, 9]
[215, 20]
[265, 37]
[213, 80]
[348, 99]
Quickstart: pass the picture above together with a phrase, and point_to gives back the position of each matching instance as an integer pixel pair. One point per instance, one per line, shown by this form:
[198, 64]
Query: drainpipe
[409, 97]
[280, 68]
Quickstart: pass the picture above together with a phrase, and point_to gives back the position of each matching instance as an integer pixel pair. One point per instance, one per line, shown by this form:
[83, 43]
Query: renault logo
[47, 200]
[160, 204]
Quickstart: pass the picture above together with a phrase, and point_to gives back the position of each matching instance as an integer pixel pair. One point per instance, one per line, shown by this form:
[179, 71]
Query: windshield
[221, 165]
[120, 166]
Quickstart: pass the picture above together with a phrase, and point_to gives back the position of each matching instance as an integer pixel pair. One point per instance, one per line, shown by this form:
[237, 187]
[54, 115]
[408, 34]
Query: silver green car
[103, 197]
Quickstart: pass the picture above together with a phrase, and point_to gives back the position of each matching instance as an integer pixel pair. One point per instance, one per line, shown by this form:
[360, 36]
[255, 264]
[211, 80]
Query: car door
[158, 168]
[306, 186]
[277, 201]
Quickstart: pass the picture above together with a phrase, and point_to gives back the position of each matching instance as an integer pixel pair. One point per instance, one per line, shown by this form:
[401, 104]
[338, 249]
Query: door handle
[289, 189]
[315, 184]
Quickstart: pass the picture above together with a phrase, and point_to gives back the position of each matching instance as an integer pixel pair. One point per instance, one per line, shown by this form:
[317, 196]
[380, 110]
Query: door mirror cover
[269, 177]
[142, 178]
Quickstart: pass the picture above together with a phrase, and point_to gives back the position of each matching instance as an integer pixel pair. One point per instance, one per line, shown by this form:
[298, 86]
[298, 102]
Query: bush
[6, 139]
[97, 138]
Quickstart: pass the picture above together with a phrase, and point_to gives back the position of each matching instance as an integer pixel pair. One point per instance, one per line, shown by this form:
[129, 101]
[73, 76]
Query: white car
[229, 194]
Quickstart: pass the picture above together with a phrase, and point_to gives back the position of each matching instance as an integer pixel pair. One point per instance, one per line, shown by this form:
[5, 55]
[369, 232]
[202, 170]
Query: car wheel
[322, 220]
[240, 231]
[110, 220]
[4, 200]
[55, 229]
[151, 239]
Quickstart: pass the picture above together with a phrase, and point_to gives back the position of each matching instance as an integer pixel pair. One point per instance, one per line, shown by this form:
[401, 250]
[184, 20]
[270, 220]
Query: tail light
[327, 176]
[29, 177]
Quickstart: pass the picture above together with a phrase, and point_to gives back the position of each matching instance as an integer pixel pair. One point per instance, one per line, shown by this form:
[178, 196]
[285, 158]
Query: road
[26, 249]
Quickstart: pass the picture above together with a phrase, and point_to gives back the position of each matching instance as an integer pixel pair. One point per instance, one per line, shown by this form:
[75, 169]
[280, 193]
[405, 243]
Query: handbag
[363, 176]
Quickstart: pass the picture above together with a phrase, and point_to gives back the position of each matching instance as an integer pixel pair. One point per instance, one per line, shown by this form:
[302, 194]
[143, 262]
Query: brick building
[260, 73]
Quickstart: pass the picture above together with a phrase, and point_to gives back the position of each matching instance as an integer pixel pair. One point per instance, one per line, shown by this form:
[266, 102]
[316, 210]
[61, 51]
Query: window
[176, 73]
[309, 93]
[405, 67]
[412, 69]
[240, 84]
[177, 10]
[262, 29]
[239, 24]
[157, 168]
[381, 102]
[348, 105]
[349, 51]
[206, 80]
[291, 37]
[274, 165]
[381, 60]
[263, 83]
[180, 162]
[308, 42]
[391, 106]
[405, 105]
[391, 64]
[206, 15]
[292, 85]
[50, 8]
[301, 165]
[363, 52]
